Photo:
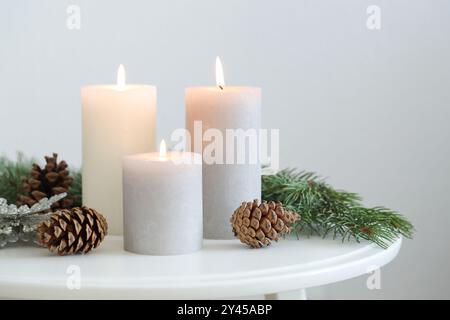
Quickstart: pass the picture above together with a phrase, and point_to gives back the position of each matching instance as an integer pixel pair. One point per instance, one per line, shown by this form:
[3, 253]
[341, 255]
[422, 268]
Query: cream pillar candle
[162, 197]
[225, 185]
[117, 120]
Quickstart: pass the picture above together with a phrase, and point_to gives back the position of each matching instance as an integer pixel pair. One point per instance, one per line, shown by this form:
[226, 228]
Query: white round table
[222, 269]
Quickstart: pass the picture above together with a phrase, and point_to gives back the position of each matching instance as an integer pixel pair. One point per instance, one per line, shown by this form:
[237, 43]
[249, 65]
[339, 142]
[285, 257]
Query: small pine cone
[45, 182]
[256, 224]
[77, 230]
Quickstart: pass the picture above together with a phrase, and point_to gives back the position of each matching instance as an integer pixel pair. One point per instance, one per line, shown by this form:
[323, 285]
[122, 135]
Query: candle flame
[162, 150]
[121, 77]
[219, 74]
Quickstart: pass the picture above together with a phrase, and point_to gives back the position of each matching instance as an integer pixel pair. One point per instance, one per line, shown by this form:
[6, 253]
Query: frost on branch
[19, 223]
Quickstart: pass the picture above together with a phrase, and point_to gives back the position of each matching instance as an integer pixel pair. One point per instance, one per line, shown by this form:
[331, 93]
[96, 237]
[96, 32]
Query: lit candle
[225, 186]
[117, 120]
[162, 198]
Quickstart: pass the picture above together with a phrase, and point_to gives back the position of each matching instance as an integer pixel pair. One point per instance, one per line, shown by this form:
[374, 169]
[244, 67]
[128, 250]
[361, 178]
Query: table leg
[301, 295]
[272, 296]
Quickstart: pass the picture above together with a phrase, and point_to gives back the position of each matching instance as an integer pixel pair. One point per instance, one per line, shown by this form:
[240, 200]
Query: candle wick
[221, 87]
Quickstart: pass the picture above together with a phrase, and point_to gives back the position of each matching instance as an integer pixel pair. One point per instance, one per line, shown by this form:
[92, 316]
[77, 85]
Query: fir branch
[325, 210]
[11, 175]
[75, 189]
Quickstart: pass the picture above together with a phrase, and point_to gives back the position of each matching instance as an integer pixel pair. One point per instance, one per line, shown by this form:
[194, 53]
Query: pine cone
[53, 179]
[78, 230]
[256, 224]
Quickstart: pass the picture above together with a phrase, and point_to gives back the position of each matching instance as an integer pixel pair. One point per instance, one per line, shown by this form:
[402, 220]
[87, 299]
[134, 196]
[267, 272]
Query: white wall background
[369, 109]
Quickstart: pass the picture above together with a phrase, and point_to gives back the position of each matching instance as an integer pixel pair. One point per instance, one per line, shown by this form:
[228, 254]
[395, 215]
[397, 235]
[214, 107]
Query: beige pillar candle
[118, 120]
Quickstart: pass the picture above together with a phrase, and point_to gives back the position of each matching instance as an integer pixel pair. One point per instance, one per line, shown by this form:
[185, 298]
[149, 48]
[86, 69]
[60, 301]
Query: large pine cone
[256, 224]
[78, 230]
[53, 179]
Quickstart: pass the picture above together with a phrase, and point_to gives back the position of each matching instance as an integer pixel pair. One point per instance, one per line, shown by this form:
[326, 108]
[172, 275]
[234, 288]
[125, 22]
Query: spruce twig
[75, 189]
[325, 210]
[11, 175]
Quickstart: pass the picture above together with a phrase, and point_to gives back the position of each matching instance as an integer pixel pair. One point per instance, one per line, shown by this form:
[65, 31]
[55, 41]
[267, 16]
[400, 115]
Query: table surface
[222, 269]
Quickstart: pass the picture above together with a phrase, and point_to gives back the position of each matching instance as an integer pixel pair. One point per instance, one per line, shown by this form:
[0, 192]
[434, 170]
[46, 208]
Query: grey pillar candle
[162, 201]
[225, 186]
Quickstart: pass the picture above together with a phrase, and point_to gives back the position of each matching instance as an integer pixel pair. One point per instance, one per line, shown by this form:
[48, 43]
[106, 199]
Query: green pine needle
[75, 189]
[325, 210]
[11, 175]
